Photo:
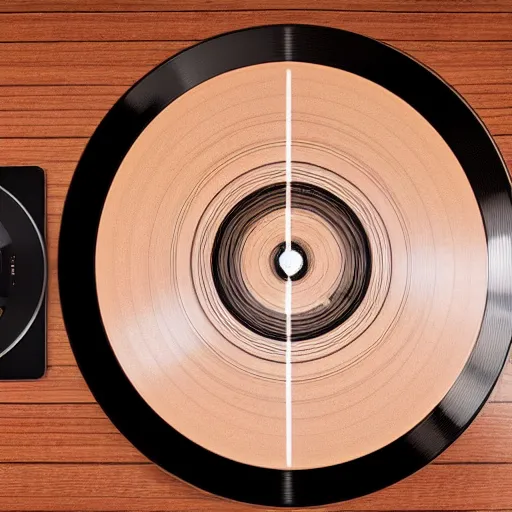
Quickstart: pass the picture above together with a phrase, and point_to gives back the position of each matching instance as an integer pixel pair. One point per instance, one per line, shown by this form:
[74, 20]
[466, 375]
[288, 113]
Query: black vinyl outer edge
[447, 113]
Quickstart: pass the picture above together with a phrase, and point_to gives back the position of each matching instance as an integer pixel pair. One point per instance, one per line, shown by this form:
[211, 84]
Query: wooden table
[63, 63]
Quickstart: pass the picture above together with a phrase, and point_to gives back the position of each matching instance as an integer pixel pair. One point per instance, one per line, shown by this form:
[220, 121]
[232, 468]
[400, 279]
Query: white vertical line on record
[288, 294]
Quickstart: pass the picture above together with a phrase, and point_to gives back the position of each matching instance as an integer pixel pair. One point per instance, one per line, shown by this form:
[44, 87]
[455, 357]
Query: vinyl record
[284, 265]
[22, 271]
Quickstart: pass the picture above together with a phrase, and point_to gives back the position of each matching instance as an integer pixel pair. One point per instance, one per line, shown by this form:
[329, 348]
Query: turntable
[23, 273]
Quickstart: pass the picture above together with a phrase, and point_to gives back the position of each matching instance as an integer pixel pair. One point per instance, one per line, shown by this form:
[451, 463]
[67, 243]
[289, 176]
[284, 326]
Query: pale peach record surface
[358, 386]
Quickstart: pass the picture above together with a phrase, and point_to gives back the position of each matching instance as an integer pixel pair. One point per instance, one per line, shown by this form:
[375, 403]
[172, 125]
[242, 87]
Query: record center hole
[291, 262]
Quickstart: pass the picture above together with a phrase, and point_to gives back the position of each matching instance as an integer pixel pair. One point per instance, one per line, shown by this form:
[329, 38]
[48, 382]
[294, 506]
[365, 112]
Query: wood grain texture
[63, 63]
[187, 26]
[240, 5]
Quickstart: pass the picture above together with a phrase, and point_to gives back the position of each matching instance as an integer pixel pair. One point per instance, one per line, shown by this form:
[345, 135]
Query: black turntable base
[23, 273]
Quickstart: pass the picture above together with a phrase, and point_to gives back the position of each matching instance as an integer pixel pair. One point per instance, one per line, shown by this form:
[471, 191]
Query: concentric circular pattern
[401, 297]
[341, 235]
[188, 291]
[324, 312]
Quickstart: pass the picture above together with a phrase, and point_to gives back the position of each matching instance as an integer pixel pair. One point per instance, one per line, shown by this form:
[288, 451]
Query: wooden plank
[146, 488]
[81, 63]
[464, 63]
[235, 5]
[69, 97]
[56, 418]
[43, 152]
[44, 447]
[60, 385]
[62, 433]
[122, 63]
[58, 433]
[505, 146]
[185, 26]
[59, 349]
[497, 120]
[485, 439]
[487, 95]
[50, 123]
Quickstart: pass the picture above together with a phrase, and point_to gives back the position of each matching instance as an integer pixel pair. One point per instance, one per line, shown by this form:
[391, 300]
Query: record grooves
[401, 215]
[227, 271]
